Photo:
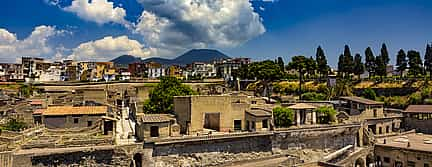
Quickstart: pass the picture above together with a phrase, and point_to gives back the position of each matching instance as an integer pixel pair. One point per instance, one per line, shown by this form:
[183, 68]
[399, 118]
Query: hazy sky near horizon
[261, 29]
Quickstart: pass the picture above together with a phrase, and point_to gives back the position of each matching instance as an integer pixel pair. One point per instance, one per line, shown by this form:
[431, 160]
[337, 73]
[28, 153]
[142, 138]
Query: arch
[359, 163]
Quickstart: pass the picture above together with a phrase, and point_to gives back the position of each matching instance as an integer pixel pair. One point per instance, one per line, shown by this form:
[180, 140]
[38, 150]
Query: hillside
[194, 55]
[124, 60]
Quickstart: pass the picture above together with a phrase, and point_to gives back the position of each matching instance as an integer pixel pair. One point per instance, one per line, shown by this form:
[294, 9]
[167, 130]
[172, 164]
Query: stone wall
[332, 137]
[232, 145]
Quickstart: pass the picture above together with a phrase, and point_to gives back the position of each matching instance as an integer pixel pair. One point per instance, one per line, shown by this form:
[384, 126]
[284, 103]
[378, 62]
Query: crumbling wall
[333, 137]
[231, 145]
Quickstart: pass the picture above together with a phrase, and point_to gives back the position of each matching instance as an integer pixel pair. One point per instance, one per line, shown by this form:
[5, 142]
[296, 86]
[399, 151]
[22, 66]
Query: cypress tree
[321, 61]
[414, 62]
[370, 61]
[384, 54]
[401, 62]
[358, 65]
[341, 65]
[348, 61]
[428, 60]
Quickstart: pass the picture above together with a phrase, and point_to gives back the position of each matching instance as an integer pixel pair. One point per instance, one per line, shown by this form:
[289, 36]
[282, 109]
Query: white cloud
[35, 45]
[177, 25]
[99, 11]
[108, 48]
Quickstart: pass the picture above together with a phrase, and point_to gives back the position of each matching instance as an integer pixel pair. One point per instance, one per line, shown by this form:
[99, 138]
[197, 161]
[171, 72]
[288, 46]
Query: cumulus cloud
[99, 11]
[176, 25]
[108, 48]
[35, 45]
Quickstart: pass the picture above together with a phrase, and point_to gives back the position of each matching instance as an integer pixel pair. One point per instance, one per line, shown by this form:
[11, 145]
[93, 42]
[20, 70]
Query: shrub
[14, 125]
[283, 117]
[415, 98]
[326, 114]
[313, 96]
[369, 94]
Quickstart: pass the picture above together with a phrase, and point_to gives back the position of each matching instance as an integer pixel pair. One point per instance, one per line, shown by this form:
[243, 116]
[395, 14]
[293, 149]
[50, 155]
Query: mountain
[194, 55]
[124, 60]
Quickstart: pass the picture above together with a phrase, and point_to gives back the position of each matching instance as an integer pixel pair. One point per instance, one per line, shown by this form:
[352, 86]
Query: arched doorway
[137, 160]
[359, 163]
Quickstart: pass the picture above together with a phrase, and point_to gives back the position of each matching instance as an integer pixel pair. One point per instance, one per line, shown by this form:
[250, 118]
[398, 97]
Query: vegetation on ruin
[313, 96]
[162, 96]
[369, 93]
[283, 117]
[14, 125]
[326, 114]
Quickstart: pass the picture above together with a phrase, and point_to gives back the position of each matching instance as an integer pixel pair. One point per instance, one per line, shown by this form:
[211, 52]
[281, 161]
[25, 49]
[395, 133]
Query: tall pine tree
[428, 60]
[414, 62]
[382, 61]
[281, 63]
[358, 65]
[401, 62]
[370, 61]
[384, 54]
[321, 61]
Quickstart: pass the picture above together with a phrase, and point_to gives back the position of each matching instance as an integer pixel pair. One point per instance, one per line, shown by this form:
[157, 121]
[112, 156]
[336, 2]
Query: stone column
[313, 117]
[297, 117]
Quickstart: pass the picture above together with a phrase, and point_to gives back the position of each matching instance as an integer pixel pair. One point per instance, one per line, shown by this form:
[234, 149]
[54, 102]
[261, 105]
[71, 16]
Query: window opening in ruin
[154, 131]
[264, 123]
[76, 120]
[89, 123]
[237, 125]
[411, 164]
[386, 159]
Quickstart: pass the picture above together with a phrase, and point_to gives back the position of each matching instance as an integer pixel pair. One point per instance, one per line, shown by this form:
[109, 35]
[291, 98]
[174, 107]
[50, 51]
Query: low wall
[331, 137]
[234, 144]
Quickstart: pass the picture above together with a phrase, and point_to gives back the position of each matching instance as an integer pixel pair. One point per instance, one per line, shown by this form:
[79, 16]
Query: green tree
[370, 61]
[300, 64]
[283, 117]
[321, 61]
[26, 90]
[266, 72]
[348, 62]
[281, 63]
[384, 54]
[341, 65]
[311, 67]
[428, 60]
[380, 67]
[358, 65]
[414, 62]
[326, 114]
[162, 96]
[369, 93]
[401, 62]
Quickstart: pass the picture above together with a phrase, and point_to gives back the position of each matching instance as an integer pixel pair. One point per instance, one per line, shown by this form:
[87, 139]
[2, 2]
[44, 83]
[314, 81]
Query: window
[89, 123]
[264, 123]
[76, 120]
[375, 112]
[386, 159]
[426, 165]
[254, 102]
[387, 129]
[237, 125]
[154, 131]
[380, 130]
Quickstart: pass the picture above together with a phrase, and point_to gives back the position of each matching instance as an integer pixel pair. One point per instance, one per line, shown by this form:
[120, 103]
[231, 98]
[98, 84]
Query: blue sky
[166, 28]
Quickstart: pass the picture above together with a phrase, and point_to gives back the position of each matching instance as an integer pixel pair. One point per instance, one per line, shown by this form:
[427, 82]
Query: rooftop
[300, 106]
[259, 112]
[361, 100]
[419, 109]
[154, 118]
[410, 141]
[71, 110]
